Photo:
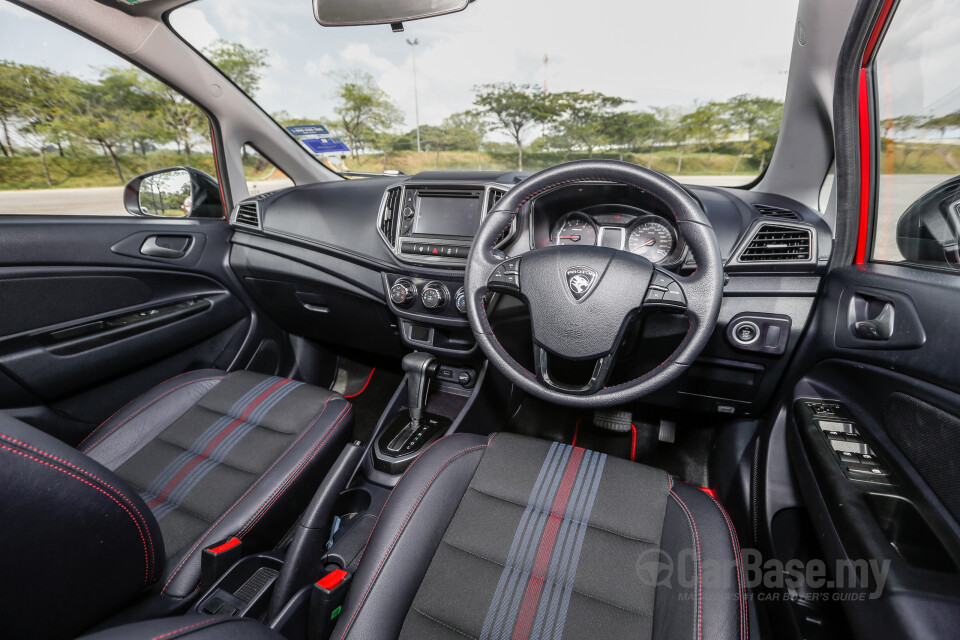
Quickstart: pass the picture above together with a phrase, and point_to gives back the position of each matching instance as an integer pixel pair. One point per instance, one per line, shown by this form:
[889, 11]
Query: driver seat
[513, 537]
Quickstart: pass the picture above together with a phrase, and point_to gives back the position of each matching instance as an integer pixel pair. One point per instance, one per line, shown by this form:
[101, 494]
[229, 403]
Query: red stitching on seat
[140, 410]
[146, 553]
[192, 626]
[696, 537]
[286, 484]
[252, 487]
[735, 541]
[403, 526]
[95, 477]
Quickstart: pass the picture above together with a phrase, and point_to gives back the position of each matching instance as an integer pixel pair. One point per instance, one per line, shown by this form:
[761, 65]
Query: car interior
[582, 402]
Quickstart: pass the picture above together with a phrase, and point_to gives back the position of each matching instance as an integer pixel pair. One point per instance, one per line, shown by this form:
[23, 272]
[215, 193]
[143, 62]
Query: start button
[746, 332]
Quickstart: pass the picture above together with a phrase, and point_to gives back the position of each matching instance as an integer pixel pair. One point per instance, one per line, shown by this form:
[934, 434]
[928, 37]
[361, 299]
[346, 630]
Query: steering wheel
[568, 289]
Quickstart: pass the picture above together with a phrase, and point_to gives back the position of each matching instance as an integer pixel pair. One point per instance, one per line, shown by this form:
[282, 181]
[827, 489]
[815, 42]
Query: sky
[652, 52]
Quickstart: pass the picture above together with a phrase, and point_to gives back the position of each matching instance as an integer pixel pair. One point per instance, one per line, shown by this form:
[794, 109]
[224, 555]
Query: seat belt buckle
[215, 560]
[326, 602]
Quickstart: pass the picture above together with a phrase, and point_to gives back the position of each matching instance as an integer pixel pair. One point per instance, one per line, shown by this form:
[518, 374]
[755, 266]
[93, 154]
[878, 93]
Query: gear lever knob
[419, 367]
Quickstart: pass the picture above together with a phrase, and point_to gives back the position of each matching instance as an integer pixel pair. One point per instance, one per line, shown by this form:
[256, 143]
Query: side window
[74, 116]
[262, 176]
[917, 106]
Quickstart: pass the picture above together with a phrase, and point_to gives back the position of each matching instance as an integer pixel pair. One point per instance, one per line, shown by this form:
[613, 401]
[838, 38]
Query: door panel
[98, 310]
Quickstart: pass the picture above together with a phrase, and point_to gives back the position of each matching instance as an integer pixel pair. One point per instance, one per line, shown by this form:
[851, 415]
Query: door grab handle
[151, 247]
[879, 328]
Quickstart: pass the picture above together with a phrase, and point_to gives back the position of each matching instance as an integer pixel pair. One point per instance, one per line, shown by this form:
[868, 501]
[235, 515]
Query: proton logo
[581, 281]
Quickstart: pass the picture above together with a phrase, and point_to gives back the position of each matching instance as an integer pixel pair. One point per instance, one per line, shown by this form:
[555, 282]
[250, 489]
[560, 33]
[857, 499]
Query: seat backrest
[77, 541]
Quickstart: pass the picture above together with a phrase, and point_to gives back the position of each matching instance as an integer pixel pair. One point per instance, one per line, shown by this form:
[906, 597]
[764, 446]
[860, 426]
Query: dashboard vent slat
[776, 243]
[248, 215]
[390, 215]
[493, 197]
[770, 211]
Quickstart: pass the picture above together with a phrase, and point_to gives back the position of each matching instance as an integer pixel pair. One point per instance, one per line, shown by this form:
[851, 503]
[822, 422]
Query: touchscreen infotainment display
[447, 216]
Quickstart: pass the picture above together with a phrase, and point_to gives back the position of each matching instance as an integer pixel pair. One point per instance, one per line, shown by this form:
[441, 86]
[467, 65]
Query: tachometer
[575, 229]
[652, 239]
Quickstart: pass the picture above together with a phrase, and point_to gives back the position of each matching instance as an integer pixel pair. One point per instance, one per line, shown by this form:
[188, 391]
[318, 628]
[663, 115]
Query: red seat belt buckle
[326, 602]
[215, 560]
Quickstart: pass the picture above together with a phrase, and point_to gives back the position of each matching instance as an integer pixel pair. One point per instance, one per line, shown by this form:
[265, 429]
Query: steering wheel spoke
[598, 378]
[666, 292]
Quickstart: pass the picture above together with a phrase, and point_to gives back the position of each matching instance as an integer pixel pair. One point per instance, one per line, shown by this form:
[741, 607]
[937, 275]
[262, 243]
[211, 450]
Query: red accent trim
[865, 166]
[576, 431]
[633, 442]
[226, 546]
[332, 579]
[877, 30]
[369, 377]
[710, 492]
[541, 562]
[208, 450]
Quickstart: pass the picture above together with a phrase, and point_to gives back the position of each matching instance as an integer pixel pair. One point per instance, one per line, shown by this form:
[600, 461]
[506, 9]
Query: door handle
[878, 328]
[171, 247]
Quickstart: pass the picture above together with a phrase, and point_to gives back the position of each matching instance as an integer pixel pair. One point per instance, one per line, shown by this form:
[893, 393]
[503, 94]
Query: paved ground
[896, 194]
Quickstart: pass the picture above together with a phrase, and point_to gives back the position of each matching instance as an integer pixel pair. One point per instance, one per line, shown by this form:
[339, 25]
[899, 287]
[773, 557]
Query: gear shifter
[419, 367]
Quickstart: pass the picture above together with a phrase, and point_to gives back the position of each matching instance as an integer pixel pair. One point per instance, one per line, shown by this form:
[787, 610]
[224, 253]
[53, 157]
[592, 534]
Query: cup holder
[909, 533]
[352, 503]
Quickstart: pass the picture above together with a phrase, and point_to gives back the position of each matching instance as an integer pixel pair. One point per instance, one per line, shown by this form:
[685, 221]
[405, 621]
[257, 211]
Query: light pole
[416, 99]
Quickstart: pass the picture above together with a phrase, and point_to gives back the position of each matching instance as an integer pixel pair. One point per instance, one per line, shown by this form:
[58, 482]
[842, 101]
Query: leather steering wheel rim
[703, 289]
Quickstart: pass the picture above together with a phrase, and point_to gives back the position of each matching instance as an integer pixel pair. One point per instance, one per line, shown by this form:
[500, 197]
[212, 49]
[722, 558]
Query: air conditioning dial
[403, 293]
[435, 296]
[460, 300]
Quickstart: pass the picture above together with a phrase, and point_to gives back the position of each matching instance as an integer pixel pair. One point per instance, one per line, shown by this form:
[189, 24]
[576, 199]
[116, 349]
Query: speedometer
[575, 229]
[652, 239]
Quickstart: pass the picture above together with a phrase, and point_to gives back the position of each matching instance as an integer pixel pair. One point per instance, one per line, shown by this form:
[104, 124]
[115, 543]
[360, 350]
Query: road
[896, 194]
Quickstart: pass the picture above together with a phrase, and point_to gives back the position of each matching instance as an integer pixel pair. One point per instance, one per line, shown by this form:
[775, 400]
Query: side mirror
[176, 192]
[929, 230]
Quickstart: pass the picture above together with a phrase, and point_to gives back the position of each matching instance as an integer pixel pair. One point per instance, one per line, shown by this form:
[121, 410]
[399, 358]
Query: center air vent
[389, 215]
[778, 243]
[248, 215]
[769, 211]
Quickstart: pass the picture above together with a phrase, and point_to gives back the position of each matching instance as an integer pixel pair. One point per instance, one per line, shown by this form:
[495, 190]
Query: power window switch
[861, 470]
[868, 459]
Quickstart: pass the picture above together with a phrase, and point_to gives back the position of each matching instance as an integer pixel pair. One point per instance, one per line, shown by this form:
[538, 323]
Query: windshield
[517, 84]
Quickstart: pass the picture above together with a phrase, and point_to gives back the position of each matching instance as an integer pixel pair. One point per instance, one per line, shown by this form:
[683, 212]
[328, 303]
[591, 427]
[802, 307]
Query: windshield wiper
[371, 174]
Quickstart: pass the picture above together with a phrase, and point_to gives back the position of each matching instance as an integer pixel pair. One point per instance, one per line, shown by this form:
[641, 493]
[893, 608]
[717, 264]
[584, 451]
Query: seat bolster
[700, 592]
[139, 421]
[74, 534]
[402, 546]
[277, 496]
[191, 627]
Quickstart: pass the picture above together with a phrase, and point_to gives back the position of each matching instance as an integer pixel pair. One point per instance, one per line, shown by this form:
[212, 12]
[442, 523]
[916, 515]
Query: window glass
[262, 176]
[918, 110]
[77, 123]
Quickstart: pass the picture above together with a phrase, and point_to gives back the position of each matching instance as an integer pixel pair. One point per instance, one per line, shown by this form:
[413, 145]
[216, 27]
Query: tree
[241, 64]
[625, 129]
[44, 96]
[182, 119]
[581, 117]
[364, 109]
[11, 97]
[758, 118]
[468, 129]
[515, 109]
[706, 125]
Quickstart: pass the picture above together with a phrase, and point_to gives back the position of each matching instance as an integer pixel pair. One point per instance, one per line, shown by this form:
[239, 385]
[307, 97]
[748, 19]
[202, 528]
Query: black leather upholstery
[191, 627]
[203, 457]
[522, 536]
[74, 537]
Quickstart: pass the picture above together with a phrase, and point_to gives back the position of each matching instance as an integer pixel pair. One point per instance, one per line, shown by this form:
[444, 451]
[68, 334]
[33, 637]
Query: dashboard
[378, 265]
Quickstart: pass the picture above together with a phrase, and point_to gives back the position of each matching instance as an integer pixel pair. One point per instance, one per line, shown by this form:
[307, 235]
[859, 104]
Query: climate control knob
[434, 296]
[403, 293]
[461, 301]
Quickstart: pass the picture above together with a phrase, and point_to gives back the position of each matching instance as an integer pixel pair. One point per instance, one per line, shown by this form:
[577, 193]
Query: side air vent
[248, 215]
[493, 197]
[778, 243]
[389, 215]
[769, 211]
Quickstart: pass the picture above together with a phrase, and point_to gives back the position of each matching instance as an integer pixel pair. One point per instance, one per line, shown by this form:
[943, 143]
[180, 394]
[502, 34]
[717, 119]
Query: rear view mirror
[929, 230]
[347, 13]
[177, 192]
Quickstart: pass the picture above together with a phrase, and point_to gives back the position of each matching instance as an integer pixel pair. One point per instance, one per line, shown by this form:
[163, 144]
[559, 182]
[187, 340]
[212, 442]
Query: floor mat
[369, 389]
